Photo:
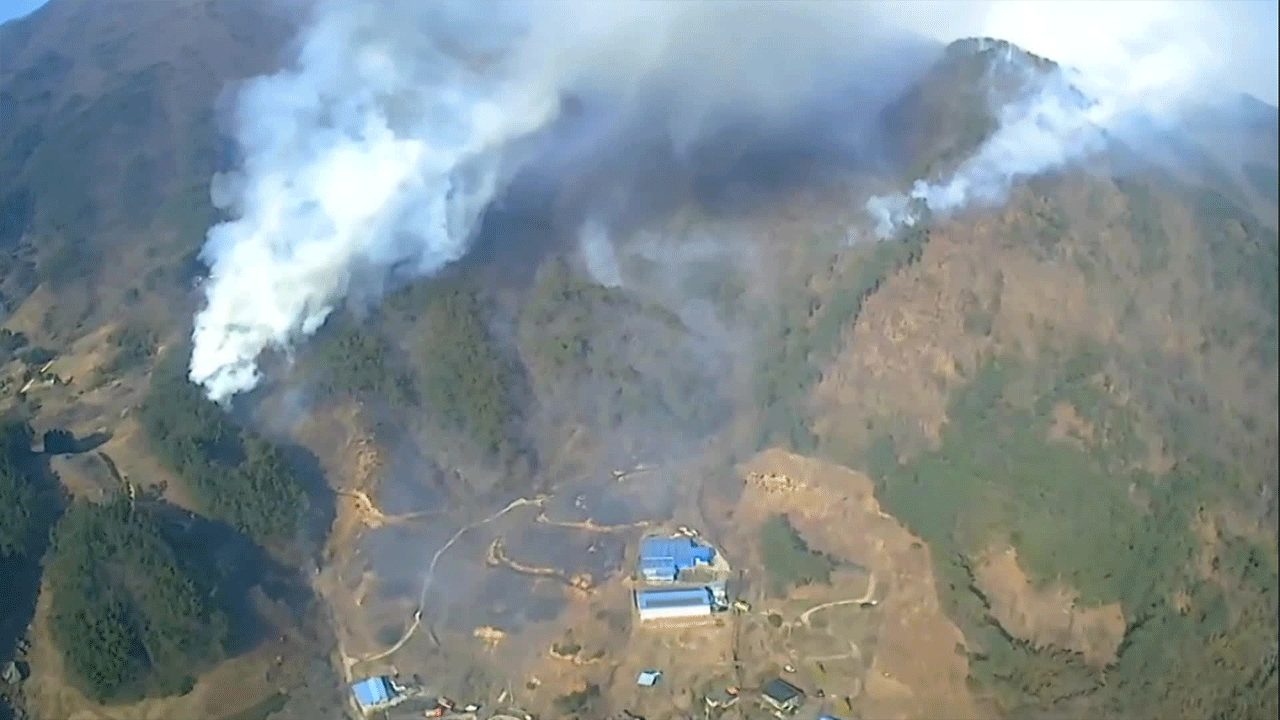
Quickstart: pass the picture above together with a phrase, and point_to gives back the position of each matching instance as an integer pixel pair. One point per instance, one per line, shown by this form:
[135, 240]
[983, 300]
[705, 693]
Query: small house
[782, 695]
[375, 693]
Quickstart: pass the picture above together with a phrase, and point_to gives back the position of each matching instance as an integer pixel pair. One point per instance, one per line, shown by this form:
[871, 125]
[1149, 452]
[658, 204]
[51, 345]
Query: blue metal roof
[665, 567]
[372, 692]
[681, 552]
[682, 597]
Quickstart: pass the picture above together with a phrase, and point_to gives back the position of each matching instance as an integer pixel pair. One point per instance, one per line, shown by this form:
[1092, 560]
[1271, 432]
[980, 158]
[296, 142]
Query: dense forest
[234, 474]
[30, 501]
[145, 596]
[139, 603]
[1067, 512]
[605, 357]
[19, 504]
[142, 598]
[789, 559]
[130, 619]
[466, 380]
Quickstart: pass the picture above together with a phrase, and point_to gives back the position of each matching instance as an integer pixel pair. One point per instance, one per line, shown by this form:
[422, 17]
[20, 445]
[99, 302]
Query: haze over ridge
[373, 159]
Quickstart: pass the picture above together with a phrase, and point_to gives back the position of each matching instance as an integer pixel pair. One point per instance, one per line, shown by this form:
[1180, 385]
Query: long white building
[667, 603]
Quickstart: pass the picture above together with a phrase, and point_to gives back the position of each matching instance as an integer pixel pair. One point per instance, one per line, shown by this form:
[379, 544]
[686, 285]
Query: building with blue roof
[662, 559]
[375, 693]
[657, 604]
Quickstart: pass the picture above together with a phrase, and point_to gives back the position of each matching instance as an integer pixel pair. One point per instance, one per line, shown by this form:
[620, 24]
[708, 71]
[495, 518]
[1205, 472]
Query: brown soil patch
[84, 476]
[79, 365]
[351, 459]
[128, 450]
[910, 346]
[28, 318]
[1047, 616]
[1068, 426]
[915, 671]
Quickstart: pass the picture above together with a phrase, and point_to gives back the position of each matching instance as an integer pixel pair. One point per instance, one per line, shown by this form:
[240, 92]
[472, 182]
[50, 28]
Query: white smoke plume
[599, 256]
[377, 153]
[367, 155]
[374, 157]
[1053, 125]
[1149, 60]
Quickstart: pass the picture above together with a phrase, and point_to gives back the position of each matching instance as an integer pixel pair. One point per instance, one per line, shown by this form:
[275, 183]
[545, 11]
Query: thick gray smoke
[375, 156]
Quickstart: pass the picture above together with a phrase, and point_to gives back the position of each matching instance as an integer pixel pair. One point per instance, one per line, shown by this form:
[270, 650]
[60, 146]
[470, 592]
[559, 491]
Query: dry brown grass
[835, 510]
[1047, 616]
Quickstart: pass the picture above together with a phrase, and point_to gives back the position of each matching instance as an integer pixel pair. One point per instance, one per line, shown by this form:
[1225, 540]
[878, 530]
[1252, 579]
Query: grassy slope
[109, 141]
[1146, 305]
[1164, 342]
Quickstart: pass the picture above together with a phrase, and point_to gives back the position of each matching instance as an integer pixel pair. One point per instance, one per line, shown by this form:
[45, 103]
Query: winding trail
[588, 524]
[853, 653]
[374, 518]
[866, 598]
[497, 557]
[371, 516]
[431, 571]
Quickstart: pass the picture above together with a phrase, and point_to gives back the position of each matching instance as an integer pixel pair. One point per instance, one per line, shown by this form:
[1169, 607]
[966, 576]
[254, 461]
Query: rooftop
[683, 552]
[373, 692]
[657, 563]
[680, 597]
[781, 691]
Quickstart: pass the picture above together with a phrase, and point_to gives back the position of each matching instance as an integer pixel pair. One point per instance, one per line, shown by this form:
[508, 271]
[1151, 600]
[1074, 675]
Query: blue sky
[10, 9]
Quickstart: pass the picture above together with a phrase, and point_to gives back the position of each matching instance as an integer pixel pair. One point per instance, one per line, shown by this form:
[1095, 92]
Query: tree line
[233, 474]
[130, 617]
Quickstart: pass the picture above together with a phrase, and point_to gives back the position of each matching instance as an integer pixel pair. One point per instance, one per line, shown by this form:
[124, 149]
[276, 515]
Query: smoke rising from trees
[372, 159]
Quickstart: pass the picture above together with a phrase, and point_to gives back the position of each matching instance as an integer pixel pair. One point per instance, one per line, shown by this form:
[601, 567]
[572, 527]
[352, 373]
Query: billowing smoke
[376, 154]
[1049, 125]
[599, 255]
[374, 158]
[1151, 62]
